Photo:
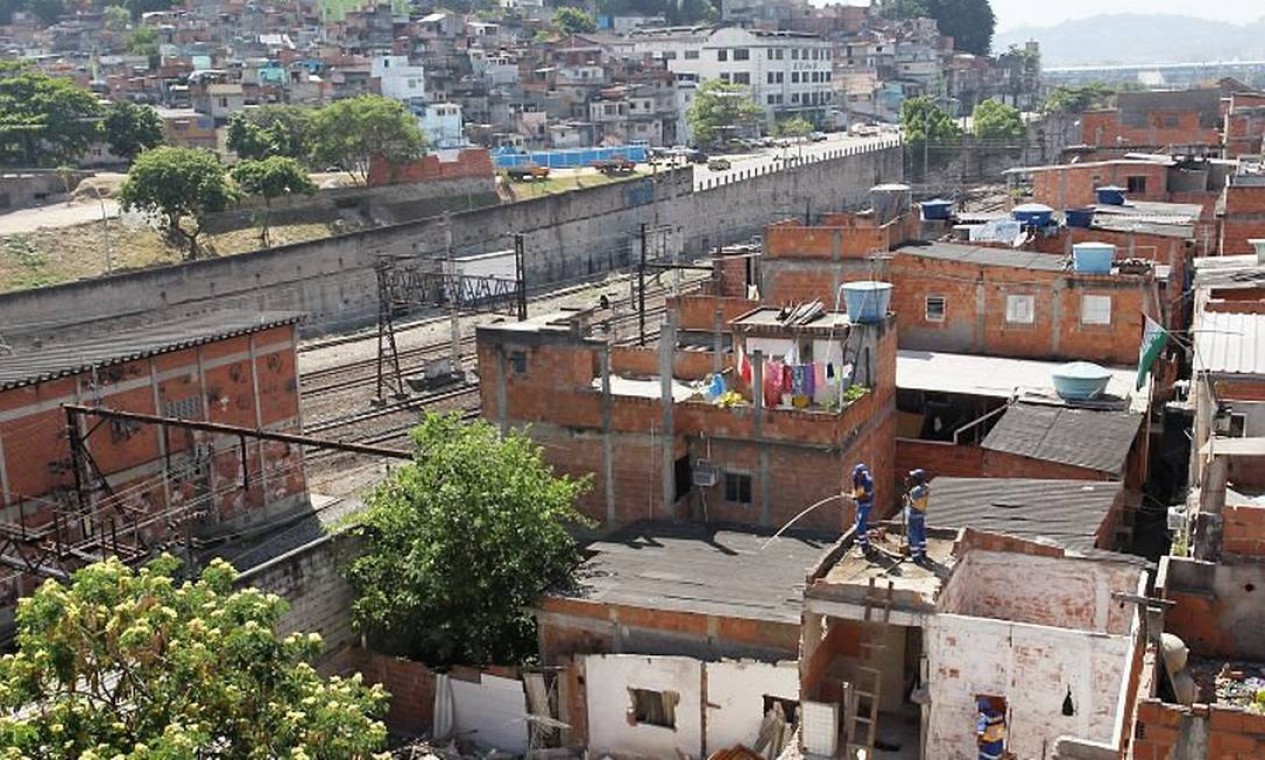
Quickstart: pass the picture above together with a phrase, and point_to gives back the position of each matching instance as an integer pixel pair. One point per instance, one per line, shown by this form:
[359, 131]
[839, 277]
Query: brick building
[136, 485]
[602, 410]
[1241, 213]
[730, 605]
[970, 626]
[1189, 119]
[1145, 179]
[998, 302]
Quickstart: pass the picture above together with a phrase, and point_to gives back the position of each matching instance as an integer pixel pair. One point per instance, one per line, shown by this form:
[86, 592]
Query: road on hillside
[776, 156]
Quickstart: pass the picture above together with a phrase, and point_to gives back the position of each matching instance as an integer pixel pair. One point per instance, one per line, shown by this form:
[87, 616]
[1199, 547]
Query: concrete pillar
[1208, 521]
[718, 341]
[502, 396]
[812, 630]
[608, 444]
[1056, 316]
[667, 344]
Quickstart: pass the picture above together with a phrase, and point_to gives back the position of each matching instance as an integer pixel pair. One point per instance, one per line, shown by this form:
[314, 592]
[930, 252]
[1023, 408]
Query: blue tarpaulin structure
[504, 158]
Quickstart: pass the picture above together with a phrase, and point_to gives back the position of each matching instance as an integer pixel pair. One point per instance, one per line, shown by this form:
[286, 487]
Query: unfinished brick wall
[1162, 128]
[1217, 609]
[1243, 220]
[975, 299]
[1243, 531]
[470, 162]
[410, 684]
[939, 458]
[1232, 733]
[1073, 185]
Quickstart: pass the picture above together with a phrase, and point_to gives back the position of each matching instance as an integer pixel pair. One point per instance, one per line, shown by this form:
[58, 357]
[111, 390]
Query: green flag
[1154, 338]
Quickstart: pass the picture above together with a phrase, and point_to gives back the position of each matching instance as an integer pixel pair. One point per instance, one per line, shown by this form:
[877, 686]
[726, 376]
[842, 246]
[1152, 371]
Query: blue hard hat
[860, 468]
[919, 475]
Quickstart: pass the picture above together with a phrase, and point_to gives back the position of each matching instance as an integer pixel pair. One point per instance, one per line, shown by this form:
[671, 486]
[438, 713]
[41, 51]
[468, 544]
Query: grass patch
[523, 191]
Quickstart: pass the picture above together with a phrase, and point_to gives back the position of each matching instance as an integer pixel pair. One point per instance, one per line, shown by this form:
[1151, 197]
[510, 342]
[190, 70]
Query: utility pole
[641, 290]
[520, 270]
[454, 280]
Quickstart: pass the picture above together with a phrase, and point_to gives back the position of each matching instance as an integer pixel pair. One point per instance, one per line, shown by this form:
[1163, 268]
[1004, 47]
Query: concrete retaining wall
[567, 236]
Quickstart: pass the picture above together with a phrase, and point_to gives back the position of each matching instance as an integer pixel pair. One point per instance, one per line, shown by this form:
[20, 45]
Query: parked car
[817, 137]
[719, 164]
[694, 155]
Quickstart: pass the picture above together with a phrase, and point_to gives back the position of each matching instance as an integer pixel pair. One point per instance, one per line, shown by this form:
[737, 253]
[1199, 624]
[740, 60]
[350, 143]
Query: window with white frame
[935, 307]
[1095, 310]
[1021, 310]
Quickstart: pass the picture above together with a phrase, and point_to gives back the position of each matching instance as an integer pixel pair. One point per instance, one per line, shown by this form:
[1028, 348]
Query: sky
[1017, 13]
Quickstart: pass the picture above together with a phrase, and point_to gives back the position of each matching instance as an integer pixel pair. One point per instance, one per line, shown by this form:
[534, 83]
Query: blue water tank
[867, 300]
[1110, 195]
[1093, 258]
[937, 210]
[1033, 214]
[1079, 217]
[1080, 381]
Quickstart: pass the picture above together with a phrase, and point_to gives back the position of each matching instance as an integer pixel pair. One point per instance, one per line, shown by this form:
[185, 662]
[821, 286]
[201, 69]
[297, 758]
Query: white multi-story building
[443, 125]
[400, 80]
[787, 73]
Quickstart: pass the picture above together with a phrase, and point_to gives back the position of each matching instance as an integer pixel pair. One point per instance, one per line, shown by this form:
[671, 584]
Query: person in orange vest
[990, 731]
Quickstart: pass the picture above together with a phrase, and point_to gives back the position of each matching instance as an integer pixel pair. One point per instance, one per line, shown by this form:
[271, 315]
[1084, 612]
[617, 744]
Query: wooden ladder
[867, 687]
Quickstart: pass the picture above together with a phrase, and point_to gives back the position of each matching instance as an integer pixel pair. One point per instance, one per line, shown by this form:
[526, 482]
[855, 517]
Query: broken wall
[735, 693]
[613, 729]
[1062, 592]
[1218, 609]
[1034, 668]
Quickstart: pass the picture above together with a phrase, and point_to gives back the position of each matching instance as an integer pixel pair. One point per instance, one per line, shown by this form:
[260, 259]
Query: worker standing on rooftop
[863, 495]
[916, 499]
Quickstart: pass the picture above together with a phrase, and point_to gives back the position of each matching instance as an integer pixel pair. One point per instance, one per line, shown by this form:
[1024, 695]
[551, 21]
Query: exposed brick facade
[1243, 218]
[1162, 126]
[470, 162]
[1073, 185]
[793, 457]
[975, 298]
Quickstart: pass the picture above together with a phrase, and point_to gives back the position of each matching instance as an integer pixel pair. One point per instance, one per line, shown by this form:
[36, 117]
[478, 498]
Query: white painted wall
[491, 712]
[608, 678]
[1033, 667]
[735, 698]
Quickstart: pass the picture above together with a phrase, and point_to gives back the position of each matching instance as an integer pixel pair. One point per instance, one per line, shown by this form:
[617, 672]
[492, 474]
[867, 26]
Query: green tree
[349, 133]
[143, 41]
[116, 18]
[993, 120]
[182, 186]
[273, 177]
[129, 129]
[44, 121]
[921, 119]
[1065, 99]
[904, 9]
[795, 126]
[573, 21]
[719, 109]
[258, 133]
[460, 542]
[970, 23]
[136, 664]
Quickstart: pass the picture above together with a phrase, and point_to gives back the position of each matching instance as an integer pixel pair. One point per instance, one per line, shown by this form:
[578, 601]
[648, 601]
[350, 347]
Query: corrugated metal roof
[993, 257]
[1095, 440]
[1230, 343]
[1067, 513]
[703, 570]
[42, 364]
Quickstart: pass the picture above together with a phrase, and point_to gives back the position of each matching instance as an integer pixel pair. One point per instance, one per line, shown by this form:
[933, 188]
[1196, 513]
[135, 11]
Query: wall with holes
[567, 236]
[1034, 668]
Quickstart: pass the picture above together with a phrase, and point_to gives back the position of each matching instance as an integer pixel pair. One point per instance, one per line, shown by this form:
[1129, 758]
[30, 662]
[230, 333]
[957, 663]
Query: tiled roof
[38, 365]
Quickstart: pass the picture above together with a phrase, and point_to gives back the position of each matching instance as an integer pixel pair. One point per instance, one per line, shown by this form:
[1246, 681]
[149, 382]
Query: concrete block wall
[311, 580]
[567, 236]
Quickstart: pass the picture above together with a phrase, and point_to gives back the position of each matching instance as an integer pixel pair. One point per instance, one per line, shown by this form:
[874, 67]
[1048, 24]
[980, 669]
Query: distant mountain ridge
[1130, 38]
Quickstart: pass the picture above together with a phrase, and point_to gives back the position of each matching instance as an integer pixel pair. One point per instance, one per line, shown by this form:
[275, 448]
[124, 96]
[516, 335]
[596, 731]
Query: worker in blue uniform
[916, 499]
[863, 495]
[990, 731]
